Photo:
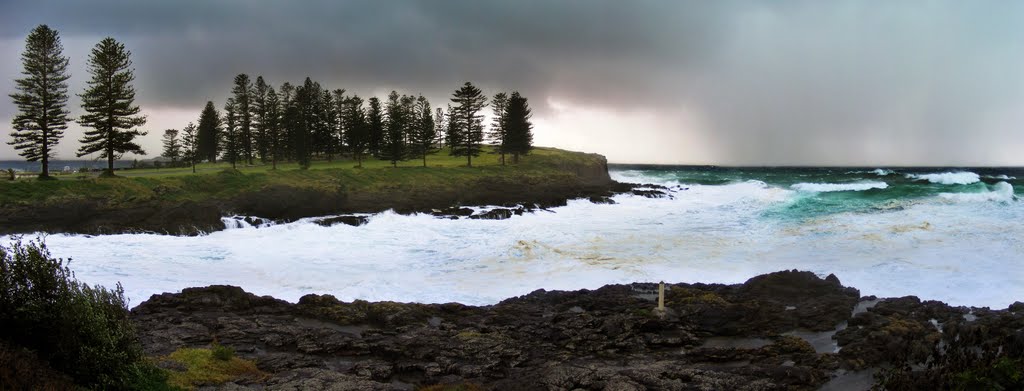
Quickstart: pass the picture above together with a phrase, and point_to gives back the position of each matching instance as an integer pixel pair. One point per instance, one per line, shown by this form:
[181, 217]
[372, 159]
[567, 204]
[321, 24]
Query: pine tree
[190, 145]
[519, 133]
[273, 127]
[232, 139]
[289, 120]
[328, 125]
[394, 147]
[208, 139]
[242, 92]
[451, 134]
[172, 146]
[357, 130]
[305, 100]
[468, 125]
[260, 108]
[375, 122]
[42, 98]
[440, 126]
[109, 102]
[338, 97]
[497, 134]
[424, 134]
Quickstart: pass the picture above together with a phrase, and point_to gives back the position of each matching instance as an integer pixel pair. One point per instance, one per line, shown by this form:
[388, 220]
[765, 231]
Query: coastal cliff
[193, 204]
[784, 330]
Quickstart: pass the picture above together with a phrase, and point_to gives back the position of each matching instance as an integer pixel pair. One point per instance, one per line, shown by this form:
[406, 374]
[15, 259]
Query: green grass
[202, 367]
[218, 181]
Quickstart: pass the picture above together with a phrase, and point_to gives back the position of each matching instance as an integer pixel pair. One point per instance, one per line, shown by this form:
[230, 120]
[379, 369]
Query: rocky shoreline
[784, 330]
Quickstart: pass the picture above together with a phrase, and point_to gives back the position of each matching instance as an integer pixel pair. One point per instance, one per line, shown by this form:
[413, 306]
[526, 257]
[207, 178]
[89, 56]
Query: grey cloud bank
[725, 82]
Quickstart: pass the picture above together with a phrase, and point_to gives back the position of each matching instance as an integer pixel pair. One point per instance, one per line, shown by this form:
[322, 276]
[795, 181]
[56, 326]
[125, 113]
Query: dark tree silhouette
[41, 98]
[519, 129]
[208, 139]
[232, 137]
[497, 134]
[242, 92]
[190, 145]
[375, 121]
[357, 134]
[394, 147]
[260, 122]
[109, 102]
[172, 145]
[468, 123]
[273, 127]
[424, 133]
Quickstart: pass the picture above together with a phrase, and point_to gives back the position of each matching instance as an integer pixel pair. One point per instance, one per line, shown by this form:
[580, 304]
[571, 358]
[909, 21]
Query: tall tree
[306, 98]
[328, 125]
[42, 98]
[242, 92]
[172, 146]
[497, 134]
[208, 139]
[357, 134]
[424, 134]
[519, 129]
[273, 127]
[232, 137]
[375, 122]
[451, 132]
[190, 145]
[289, 121]
[394, 148]
[338, 97]
[260, 107]
[440, 126]
[109, 102]
[469, 128]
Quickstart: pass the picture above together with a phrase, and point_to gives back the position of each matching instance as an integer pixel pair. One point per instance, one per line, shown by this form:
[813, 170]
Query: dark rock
[497, 214]
[600, 199]
[352, 220]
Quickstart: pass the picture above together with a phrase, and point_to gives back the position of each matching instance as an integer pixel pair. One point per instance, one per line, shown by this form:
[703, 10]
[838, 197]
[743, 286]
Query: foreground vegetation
[220, 181]
[80, 331]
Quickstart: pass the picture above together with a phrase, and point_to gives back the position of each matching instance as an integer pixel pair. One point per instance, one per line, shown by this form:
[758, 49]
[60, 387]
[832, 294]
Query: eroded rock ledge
[784, 330]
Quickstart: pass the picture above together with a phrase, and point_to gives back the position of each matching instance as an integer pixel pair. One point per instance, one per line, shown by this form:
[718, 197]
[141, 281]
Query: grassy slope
[213, 181]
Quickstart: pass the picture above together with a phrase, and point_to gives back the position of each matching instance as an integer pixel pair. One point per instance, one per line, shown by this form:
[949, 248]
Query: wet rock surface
[747, 336]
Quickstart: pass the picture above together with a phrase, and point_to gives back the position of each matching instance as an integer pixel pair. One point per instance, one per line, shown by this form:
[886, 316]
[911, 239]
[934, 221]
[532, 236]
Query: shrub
[80, 330]
[202, 367]
[221, 352]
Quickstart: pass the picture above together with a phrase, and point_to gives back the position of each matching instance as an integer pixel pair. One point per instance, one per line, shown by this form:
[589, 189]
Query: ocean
[950, 234]
[61, 165]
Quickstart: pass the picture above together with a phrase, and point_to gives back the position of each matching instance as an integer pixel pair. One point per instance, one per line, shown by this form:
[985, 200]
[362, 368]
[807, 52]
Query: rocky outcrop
[709, 337]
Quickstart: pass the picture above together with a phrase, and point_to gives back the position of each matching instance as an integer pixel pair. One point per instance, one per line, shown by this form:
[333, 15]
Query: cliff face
[785, 330]
[157, 210]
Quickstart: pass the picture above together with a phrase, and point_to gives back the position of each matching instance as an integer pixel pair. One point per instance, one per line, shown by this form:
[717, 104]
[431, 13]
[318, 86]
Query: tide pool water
[946, 234]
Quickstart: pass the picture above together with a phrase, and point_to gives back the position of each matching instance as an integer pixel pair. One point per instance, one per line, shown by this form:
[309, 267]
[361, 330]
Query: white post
[661, 296]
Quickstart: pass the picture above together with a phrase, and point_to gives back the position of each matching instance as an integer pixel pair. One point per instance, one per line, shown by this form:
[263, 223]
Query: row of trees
[300, 123]
[42, 94]
[291, 123]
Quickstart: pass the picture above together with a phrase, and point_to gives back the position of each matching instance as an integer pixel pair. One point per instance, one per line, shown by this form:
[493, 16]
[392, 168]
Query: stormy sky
[701, 82]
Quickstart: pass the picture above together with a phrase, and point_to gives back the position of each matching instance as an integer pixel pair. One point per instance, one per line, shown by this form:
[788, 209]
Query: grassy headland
[176, 200]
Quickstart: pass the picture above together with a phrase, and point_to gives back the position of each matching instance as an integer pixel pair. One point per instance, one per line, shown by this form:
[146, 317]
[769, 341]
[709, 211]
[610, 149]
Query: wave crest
[827, 187]
[948, 178]
[1001, 192]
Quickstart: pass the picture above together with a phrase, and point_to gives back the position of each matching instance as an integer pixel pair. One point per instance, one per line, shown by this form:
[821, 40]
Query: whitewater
[935, 237]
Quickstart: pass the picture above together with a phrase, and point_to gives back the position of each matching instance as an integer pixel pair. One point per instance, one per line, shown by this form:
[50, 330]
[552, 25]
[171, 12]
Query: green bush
[80, 330]
[222, 353]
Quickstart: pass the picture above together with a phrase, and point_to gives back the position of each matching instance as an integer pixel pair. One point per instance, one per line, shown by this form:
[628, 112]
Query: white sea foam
[964, 253]
[828, 187]
[882, 172]
[948, 178]
[1001, 176]
[1002, 192]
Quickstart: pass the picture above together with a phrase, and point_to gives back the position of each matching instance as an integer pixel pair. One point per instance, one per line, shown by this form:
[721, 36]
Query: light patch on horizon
[600, 130]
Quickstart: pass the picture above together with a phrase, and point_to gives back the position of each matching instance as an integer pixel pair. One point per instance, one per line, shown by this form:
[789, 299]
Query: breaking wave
[948, 178]
[827, 187]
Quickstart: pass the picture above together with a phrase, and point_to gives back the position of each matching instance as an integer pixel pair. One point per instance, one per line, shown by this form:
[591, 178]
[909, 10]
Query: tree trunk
[46, 160]
[424, 159]
[110, 160]
[469, 159]
[503, 158]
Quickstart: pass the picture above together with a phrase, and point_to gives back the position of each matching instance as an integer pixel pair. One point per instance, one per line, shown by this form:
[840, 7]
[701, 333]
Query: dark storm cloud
[771, 82]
